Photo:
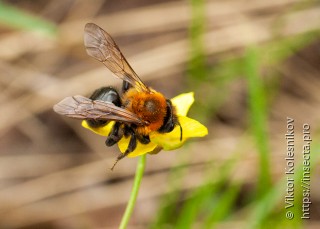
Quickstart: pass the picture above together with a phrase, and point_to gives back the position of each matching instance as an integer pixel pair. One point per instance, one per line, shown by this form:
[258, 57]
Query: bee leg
[115, 135]
[131, 147]
[143, 139]
[125, 86]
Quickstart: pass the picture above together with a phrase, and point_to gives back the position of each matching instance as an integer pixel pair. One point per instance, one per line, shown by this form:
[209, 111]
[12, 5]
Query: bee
[137, 111]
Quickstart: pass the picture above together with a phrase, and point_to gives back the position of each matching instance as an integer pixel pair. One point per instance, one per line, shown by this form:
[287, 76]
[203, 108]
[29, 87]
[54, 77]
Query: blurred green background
[251, 63]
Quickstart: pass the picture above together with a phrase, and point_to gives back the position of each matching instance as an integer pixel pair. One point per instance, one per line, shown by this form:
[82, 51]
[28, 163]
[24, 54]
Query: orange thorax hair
[148, 106]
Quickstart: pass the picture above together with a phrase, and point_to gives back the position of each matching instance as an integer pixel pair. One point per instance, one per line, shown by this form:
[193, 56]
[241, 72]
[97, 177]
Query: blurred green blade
[258, 117]
[19, 19]
[224, 206]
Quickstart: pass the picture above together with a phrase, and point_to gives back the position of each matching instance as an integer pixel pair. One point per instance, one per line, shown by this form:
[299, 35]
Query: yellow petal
[170, 141]
[104, 130]
[140, 149]
[183, 103]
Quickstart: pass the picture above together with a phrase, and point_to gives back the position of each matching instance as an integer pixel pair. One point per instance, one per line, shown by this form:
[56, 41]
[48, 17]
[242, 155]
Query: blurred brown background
[55, 174]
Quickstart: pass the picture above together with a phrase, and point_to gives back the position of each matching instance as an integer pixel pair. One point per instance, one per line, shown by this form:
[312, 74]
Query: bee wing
[100, 45]
[80, 107]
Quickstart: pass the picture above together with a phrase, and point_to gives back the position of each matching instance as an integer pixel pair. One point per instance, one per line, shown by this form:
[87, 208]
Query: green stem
[134, 193]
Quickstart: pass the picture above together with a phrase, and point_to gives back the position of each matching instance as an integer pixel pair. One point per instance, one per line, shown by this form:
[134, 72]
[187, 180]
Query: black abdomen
[108, 94]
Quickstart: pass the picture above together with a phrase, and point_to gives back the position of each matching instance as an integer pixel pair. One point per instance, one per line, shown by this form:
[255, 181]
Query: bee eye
[171, 126]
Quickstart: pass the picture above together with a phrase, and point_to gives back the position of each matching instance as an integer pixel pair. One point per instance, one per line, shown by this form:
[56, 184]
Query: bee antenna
[180, 131]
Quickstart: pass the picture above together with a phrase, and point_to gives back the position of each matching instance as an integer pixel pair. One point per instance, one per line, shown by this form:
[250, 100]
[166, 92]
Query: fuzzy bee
[137, 111]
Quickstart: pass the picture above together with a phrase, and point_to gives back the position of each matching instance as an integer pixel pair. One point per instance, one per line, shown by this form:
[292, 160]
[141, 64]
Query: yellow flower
[168, 141]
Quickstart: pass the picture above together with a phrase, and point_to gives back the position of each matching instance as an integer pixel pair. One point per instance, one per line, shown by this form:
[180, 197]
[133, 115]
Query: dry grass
[54, 174]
